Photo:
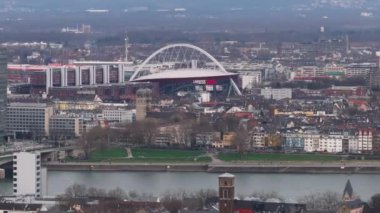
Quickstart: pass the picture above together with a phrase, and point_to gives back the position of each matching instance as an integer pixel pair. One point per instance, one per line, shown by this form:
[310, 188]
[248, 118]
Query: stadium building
[174, 70]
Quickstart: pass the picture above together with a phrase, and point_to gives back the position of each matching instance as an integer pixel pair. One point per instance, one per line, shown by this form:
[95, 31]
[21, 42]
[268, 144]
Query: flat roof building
[28, 119]
[64, 126]
[276, 94]
[27, 174]
[3, 94]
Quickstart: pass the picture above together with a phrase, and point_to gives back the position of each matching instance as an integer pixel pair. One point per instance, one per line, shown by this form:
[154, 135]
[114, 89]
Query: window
[225, 193]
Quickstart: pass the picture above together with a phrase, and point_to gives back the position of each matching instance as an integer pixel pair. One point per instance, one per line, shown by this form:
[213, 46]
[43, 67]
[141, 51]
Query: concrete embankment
[220, 168]
[126, 167]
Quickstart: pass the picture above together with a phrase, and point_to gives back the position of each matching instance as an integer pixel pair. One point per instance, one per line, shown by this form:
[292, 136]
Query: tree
[172, 203]
[241, 140]
[95, 192]
[264, 196]
[117, 193]
[327, 202]
[96, 138]
[141, 132]
[373, 204]
[75, 191]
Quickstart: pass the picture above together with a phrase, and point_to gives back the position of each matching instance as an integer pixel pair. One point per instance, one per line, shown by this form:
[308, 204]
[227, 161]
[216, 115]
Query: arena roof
[184, 74]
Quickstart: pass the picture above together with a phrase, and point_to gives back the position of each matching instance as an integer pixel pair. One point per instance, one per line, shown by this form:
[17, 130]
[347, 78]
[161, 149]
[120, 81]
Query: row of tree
[142, 133]
[326, 202]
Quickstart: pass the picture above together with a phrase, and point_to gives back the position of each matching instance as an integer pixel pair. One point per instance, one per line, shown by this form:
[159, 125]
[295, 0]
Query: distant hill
[199, 5]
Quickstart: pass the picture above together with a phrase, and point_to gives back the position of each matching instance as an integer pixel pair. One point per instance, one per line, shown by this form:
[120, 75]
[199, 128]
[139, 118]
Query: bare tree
[241, 141]
[95, 192]
[172, 203]
[327, 202]
[264, 196]
[117, 193]
[75, 190]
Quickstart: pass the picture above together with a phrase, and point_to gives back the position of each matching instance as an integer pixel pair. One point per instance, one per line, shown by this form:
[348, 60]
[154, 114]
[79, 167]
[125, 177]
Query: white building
[311, 141]
[119, 115]
[276, 94]
[308, 72]
[250, 79]
[205, 97]
[27, 174]
[365, 140]
[353, 144]
[331, 143]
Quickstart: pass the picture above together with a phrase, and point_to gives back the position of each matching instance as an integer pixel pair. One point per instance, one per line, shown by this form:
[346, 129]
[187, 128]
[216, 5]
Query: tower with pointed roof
[350, 202]
[348, 192]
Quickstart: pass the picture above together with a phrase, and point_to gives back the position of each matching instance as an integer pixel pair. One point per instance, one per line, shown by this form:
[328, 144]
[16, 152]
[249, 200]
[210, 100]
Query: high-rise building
[27, 174]
[3, 93]
[143, 102]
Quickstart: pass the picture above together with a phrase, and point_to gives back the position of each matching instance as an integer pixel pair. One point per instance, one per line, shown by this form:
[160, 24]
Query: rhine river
[289, 186]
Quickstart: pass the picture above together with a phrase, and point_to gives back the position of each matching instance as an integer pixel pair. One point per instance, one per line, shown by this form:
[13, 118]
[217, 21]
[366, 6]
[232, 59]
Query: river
[289, 186]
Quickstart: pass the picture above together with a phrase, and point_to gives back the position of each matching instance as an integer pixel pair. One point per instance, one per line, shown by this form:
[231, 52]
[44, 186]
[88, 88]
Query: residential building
[250, 79]
[64, 126]
[353, 144]
[359, 70]
[332, 142]
[258, 140]
[311, 140]
[308, 72]
[27, 174]
[373, 79]
[365, 139]
[3, 94]
[28, 119]
[276, 94]
[206, 139]
[163, 139]
[294, 142]
[119, 115]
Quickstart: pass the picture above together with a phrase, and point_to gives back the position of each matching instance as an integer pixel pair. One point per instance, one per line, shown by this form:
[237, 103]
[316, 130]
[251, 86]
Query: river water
[289, 186]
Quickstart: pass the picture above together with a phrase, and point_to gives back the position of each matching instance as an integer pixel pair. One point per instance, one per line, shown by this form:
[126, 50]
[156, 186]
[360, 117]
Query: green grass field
[148, 155]
[276, 157]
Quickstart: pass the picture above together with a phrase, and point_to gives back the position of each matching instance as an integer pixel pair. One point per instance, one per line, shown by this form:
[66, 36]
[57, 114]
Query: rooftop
[185, 73]
[227, 175]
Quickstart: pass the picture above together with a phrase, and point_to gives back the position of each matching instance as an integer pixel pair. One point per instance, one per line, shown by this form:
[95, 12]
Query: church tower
[348, 192]
[226, 193]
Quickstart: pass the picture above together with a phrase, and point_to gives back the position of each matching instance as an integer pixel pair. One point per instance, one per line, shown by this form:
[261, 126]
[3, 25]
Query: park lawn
[201, 159]
[148, 155]
[165, 153]
[276, 157]
[108, 154]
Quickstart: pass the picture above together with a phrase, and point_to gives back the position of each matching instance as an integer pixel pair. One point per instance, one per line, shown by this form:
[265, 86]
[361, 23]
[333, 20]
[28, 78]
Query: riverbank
[352, 167]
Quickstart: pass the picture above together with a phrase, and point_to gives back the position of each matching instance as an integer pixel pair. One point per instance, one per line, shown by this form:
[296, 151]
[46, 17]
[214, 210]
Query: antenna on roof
[126, 40]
